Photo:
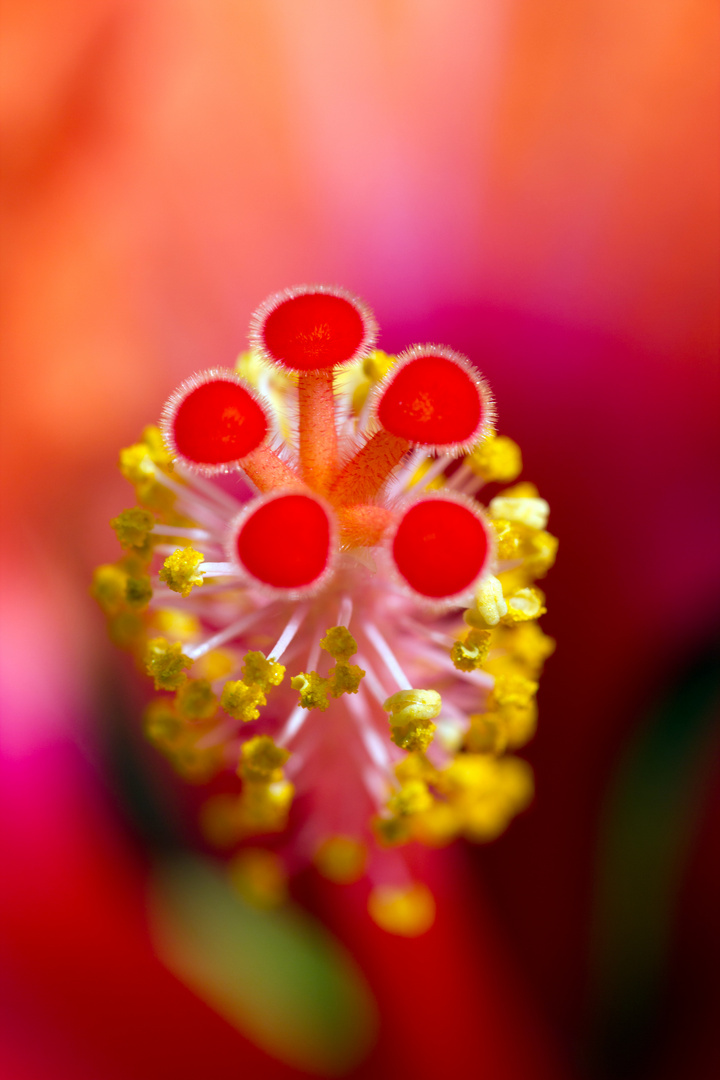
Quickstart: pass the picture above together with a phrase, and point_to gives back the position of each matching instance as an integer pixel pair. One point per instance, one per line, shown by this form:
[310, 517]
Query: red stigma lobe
[432, 400]
[217, 422]
[285, 541]
[440, 548]
[313, 330]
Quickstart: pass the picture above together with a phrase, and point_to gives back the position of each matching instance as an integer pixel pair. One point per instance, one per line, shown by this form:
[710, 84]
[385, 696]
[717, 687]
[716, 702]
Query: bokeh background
[533, 182]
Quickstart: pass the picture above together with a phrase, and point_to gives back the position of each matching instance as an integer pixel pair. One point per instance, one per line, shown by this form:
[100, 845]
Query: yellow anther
[391, 831]
[154, 443]
[358, 380]
[437, 826]
[138, 591]
[525, 604]
[180, 570]
[139, 464]
[261, 760]
[528, 645]
[196, 764]
[127, 630]
[377, 364]
[161, 724]
[264, 807]
[487, 733]
[259, 876]
[345, 678]
[509, 538]
[408, 911]
[241, 701]
[532, 512]
[136, 465]
[415, 736]
[261, 671]
[489, 606]
[540, 550]
[496, 458]
[341, 859]
[411, 706]
[469, 654]
[313, 690]
[508, 790]
[339, 642]
[108, 587]
[469, 775]
[196, 700]
[166, 663]
[512, 690]
[415, 766]
[513, 581]
[132, 527]
[176, 624]
[520, 723]
[450, 734]
[486, 819]
[516, 781]
[412, 798]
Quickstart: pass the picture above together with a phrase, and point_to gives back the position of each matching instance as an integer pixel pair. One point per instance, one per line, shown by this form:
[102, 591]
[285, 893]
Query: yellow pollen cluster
[242, 701]
[472, 651]
[180, 570]
[343, 677]
[496, 458]
[261, 760]
[182, 741]
[132, 528]
[166, 663]
[195, 700]
[141, 463]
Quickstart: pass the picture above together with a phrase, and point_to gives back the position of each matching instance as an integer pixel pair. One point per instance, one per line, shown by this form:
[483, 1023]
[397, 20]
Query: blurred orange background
[533, 182]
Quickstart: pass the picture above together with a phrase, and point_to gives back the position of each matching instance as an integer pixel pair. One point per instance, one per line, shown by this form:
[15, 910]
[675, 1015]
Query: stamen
[436, 469]
[405, 478]
[461, 476]
[345, 613]
[197, 508]
[219, 569]
[387, 655]
[180, 530]
[371, 740]
[208, 489]
[372, 681]
[295, 721]
[234, 630]
[289, 632]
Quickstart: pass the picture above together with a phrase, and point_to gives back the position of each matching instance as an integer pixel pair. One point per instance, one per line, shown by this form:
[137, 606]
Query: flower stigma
[343, 641]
